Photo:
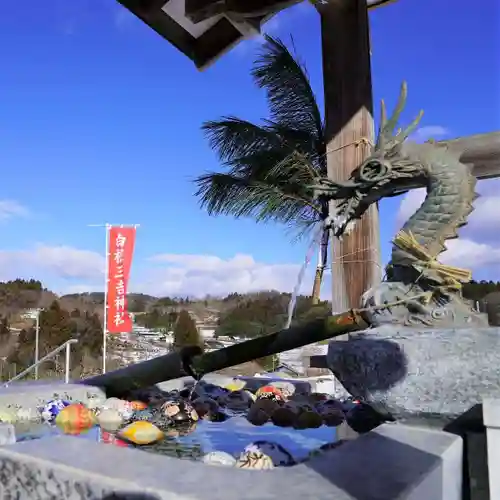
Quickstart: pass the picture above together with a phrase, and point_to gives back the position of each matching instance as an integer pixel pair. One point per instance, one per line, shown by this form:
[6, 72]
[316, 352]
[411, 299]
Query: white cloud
[470, 254]
[199, 275]
[10, 209]
[69, 262]
[430, 132]
[485, 215]
[60, 261]
[409, 205]
[167, 274]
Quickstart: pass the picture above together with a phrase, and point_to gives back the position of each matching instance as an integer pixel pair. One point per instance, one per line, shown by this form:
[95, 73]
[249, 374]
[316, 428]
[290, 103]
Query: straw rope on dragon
[395, 166]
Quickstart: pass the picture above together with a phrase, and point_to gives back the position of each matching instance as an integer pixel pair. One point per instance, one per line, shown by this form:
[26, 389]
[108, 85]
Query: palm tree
[270, 166]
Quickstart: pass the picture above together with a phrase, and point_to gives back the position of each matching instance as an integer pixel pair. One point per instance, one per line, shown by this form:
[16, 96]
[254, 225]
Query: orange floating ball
[75, 419]
[270, 392]
[138, 405]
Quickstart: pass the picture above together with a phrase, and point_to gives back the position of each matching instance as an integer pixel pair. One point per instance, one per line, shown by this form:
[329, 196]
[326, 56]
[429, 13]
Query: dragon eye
[373, 171]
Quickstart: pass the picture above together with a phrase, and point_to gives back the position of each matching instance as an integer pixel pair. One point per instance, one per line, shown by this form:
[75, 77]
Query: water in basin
[229, 427]
[230, 436]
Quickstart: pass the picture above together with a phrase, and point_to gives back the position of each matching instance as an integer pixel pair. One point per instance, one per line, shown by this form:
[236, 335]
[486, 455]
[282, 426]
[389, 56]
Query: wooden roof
[204, 42]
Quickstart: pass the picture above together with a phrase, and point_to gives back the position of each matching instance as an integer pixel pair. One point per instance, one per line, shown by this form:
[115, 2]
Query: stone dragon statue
[422, 290]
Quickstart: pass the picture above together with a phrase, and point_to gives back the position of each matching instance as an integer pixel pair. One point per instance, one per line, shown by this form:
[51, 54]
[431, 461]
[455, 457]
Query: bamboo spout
[190, 360]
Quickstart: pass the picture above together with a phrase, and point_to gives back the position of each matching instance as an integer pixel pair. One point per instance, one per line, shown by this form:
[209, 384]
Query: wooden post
[348, 115]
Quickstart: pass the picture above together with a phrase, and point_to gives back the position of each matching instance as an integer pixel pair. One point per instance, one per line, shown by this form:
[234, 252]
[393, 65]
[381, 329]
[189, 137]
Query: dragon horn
[390, 125]
[383, 120]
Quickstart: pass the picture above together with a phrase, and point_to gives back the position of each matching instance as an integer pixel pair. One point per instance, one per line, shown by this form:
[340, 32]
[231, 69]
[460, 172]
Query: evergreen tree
[91, 335]
[76, 313]
[56, 327]
[4, 331]
[185, 331]
[24, 355]
[172, 319]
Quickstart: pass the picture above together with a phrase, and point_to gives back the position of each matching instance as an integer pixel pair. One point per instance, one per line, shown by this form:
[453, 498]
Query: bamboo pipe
[191, 361]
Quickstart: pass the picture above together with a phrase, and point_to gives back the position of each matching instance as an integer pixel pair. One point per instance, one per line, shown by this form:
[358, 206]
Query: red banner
[121, 249]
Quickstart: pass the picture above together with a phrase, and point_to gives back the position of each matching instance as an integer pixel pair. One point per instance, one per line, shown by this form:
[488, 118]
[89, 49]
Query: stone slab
[412, 372]
[7, 434]
[20, 400]
[392, 462]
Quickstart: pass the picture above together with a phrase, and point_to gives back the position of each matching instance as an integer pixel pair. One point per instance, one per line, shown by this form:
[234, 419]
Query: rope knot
[450, 275]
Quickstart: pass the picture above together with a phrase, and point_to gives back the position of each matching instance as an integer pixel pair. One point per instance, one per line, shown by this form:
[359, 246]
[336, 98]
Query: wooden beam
[481, 152]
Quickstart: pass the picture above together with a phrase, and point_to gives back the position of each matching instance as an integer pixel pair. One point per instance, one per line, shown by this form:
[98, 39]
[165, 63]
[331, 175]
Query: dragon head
[388, 171]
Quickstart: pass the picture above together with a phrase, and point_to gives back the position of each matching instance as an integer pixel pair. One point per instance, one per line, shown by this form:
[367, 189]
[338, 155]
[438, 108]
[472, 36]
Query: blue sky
[100, 122]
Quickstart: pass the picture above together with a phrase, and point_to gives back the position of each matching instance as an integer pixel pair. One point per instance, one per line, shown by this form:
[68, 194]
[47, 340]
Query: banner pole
[106, 285]
[108, 227]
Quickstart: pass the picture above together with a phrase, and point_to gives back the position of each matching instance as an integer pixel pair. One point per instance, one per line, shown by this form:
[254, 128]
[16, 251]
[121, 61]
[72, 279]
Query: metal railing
[51, 354]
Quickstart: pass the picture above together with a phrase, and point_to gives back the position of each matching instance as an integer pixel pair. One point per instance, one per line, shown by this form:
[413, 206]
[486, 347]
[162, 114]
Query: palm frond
[235, 139]
[293, 170]
[231, 136]
[268, 166]
[291, 99]
[303, 142]
[232, 195]
[256, 165]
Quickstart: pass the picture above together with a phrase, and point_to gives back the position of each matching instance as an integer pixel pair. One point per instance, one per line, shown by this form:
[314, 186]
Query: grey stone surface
[420, 371]
[393, 462]
[22, 398]
[7, 434]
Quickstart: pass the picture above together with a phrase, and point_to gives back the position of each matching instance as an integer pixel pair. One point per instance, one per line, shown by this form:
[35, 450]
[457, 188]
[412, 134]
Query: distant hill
[18, 295]
[137, 302]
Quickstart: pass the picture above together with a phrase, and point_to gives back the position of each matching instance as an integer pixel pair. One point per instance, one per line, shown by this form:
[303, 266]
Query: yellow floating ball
[141, 432]
[235, 385]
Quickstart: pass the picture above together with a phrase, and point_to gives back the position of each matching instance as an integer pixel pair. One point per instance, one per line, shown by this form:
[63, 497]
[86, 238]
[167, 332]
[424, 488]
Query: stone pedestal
[420, 374]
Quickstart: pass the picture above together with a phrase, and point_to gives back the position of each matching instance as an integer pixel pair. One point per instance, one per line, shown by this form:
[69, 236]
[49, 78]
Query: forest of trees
[265, 313]
[158, 320]
[56, 327]
[477, 290]
[242, 315]
[20, 294]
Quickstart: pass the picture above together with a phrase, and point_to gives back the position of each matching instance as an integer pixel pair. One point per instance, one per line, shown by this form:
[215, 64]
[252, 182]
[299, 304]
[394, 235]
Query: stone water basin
[239, 431]
[231, 437]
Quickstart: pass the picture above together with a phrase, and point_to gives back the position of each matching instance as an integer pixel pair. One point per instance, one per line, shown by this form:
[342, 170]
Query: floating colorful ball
[75, 419]
[52, 408]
